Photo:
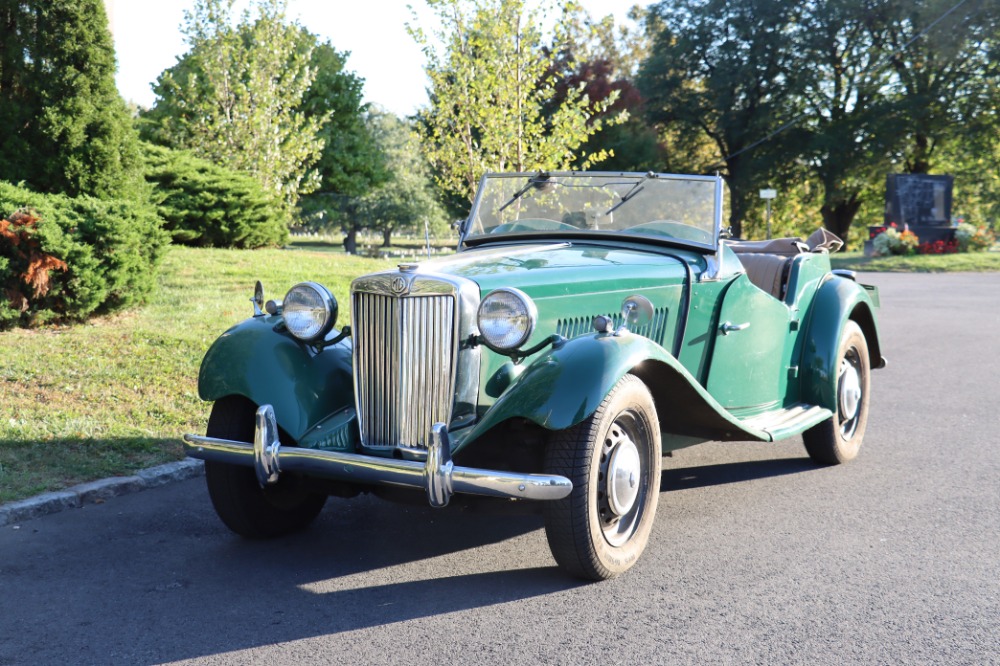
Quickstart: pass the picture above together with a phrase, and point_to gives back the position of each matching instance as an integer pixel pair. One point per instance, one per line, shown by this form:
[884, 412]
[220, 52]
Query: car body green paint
[269, 366]
[718, 382]
[836, 301]
[564, 385]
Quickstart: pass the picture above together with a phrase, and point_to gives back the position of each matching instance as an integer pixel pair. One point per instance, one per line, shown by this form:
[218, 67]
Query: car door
[749, 366]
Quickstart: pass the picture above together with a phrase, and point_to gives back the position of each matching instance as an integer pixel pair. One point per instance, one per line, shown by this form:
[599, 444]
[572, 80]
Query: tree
[65, 127]
[406, 201]
[489, 85]
[235, 98]
[717, 69]
[939, 54]
[600, 59]
[842, 77]
[351, 163]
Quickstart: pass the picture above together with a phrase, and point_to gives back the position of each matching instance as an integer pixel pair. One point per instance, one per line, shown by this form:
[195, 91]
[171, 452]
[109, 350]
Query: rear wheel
[613, 460]
[838, 439]
[245, 507]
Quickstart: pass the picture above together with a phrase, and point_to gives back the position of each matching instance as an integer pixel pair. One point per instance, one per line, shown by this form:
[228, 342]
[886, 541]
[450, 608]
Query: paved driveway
[757, 555]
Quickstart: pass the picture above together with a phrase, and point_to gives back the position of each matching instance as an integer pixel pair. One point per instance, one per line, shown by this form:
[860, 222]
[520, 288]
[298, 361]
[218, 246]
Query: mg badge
[398, 286]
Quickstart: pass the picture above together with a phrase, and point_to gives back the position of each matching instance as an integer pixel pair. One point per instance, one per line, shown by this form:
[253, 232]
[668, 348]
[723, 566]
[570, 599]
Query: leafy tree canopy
[490, 81]
[835, 91]
[236, 97]
[406, 201]
[600, 59]
[716, 70]
[351, 162]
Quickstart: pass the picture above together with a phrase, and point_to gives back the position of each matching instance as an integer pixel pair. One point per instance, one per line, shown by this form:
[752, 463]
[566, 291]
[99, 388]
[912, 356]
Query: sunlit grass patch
[114, 395]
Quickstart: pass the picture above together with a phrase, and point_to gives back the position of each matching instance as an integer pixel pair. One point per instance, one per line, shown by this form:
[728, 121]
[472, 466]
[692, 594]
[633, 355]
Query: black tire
[245, 507]
[596, 532]
[838, 439]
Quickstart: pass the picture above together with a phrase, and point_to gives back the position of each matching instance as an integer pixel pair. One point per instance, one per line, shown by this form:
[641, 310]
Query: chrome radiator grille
[404, 366]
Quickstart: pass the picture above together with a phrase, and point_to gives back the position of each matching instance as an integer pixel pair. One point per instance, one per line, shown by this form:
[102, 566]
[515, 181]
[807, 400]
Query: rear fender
[837, 301]
[254, 360]
[565, 385]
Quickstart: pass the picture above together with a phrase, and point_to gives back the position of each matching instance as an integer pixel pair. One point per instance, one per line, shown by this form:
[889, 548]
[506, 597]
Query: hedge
[204, 204]
[65, 258]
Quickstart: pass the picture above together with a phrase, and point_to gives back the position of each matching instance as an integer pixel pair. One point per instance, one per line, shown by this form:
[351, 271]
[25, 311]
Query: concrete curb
[98, 491]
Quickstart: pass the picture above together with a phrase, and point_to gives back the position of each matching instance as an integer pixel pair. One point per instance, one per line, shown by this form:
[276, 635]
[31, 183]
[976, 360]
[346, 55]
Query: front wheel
[245, 507]
[613, 460]
[838, 439]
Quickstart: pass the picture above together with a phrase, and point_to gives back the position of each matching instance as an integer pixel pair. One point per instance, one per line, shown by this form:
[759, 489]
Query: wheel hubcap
[623, 476]
[850, 391]
[622, 486]
[850, 394]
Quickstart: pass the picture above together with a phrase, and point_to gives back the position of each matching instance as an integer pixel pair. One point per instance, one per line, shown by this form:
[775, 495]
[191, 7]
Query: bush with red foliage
[31, 265]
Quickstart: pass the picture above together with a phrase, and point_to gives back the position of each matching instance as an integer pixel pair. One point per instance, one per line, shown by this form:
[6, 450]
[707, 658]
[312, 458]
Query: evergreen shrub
[204, 204]
[64, 258]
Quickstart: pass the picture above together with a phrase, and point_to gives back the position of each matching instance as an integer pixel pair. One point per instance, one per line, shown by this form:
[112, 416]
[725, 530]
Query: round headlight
[309, 310]
[506, 318]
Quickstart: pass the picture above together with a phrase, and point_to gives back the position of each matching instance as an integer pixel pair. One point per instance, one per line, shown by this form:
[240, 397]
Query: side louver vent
[655, 330]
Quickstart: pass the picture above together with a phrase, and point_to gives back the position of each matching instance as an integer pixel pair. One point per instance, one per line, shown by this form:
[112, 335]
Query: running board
[784, 423]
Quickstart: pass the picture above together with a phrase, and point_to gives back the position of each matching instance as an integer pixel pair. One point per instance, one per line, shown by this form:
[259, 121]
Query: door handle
[729, 327]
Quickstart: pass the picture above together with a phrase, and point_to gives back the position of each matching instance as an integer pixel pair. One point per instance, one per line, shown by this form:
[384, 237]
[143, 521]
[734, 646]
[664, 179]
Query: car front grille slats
[404, 355]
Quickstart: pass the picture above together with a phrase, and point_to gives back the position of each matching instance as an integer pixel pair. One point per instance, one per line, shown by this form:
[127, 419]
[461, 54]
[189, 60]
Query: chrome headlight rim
[528, 313]
[324, 311]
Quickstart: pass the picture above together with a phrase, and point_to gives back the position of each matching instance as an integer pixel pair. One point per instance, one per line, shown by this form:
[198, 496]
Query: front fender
[269, 367]
[837, 300]
[565, 385]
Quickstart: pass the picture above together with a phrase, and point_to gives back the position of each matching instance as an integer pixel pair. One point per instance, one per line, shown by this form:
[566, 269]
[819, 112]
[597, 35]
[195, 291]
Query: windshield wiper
[638, 187]
[538, 180]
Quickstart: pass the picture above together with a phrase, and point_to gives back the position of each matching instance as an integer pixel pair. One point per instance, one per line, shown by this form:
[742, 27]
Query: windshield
[683, 209]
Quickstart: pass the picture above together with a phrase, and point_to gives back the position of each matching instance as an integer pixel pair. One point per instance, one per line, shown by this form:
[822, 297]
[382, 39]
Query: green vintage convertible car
[589, 324]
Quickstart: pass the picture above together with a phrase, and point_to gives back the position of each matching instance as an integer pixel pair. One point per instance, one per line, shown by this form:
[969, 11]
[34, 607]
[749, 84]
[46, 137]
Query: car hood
[563, 269]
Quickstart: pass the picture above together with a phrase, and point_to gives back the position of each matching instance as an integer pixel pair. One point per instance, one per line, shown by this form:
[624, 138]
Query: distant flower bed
[891, 241]
[894, 242]
[971, 238]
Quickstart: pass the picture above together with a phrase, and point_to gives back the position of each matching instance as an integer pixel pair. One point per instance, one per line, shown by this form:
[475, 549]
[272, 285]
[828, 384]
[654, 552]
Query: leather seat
[767, 271]
[769, 262]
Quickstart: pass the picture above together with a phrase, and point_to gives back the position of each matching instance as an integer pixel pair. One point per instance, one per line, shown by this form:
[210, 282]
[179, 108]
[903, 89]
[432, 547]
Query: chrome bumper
[438, 475]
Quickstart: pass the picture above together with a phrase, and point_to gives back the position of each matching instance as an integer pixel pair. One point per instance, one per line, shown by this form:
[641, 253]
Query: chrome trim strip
[438, 476]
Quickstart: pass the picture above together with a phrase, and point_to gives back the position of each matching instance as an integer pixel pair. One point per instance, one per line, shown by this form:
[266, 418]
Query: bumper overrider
[438, 474]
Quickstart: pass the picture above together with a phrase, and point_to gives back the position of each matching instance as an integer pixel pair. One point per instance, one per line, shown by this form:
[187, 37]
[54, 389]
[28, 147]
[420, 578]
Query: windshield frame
[468, 241]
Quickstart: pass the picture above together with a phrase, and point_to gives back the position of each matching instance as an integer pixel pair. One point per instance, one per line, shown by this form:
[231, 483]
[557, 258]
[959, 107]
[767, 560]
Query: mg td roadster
[589, 324]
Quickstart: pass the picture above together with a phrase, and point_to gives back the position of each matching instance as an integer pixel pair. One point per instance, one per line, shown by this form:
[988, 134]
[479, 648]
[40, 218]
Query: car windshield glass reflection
[681, 209]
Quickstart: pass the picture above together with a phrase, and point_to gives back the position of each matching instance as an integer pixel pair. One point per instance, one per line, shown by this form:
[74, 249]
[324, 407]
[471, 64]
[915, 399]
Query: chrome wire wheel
[838, 439]
[613, 459]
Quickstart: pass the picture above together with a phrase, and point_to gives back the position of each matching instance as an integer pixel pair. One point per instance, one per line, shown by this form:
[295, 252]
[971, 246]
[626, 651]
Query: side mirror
[637, 311]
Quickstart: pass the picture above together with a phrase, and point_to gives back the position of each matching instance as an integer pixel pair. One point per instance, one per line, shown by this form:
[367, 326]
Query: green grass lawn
[114, 395]
[974, 262]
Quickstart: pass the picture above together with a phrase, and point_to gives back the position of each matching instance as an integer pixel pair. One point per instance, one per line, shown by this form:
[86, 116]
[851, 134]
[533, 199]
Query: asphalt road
[757, 555]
